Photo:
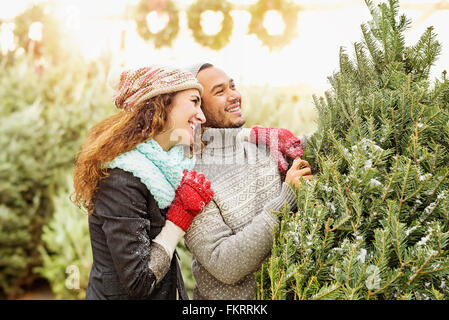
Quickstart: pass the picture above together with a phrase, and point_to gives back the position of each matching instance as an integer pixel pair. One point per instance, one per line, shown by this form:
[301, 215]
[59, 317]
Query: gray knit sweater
[230, 239]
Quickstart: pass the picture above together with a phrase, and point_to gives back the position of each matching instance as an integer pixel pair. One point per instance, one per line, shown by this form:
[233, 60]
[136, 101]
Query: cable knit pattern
[232, 237]
[161, 171]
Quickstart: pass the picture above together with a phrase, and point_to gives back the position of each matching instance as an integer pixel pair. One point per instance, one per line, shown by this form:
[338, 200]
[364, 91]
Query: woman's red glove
[192, 195]
[280, 141]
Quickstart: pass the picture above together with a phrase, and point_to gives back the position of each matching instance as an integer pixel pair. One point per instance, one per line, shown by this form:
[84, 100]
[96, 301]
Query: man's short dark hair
[205, 66]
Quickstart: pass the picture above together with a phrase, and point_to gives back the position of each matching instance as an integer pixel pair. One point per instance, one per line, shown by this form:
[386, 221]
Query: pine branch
[397, 231]
[392, 280]
[394, 126]
[395, 170]
[401, 200]
[419, 269]
[328, 292]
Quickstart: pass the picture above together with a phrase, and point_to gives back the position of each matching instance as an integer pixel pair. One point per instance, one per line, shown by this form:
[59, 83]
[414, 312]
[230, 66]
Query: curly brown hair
[113, 136]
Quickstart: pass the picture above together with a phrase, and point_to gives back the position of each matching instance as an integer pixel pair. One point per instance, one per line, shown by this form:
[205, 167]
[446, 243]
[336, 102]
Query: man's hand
[299, 169]
[282, 143]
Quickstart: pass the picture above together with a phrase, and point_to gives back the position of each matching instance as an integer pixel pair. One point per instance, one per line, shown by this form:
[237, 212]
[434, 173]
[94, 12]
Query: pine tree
[43, 119]
[374, 223]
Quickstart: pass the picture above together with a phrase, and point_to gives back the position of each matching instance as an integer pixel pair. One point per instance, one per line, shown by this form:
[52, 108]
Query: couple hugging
[144, 186]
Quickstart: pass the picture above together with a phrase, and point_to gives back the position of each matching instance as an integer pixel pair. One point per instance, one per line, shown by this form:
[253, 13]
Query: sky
[323, 27]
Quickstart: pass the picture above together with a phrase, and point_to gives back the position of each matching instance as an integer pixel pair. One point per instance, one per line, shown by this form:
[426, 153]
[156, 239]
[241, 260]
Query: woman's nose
[200, 116]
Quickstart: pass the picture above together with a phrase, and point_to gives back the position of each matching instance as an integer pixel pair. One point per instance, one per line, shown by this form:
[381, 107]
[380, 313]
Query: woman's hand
[192, 195]
[299, 169]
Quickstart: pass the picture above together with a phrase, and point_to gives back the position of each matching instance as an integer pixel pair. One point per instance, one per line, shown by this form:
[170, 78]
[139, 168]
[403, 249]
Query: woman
[138, 186]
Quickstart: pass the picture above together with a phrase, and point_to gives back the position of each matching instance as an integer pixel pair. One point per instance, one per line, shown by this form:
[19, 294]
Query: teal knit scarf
[161, 171]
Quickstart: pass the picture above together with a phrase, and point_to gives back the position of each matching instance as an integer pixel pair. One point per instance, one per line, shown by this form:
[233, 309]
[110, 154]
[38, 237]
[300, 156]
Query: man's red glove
[192, 195]
[281, 142]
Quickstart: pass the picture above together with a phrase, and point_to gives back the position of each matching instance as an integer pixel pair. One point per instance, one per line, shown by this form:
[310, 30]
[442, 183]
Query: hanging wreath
[289, 13]
[165, 36]
[218, 40]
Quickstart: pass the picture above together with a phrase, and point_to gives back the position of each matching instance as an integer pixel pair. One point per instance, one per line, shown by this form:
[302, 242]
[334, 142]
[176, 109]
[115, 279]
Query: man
[230, 239]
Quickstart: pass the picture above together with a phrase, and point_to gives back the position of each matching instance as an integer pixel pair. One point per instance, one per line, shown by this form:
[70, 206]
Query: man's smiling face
[221, 101]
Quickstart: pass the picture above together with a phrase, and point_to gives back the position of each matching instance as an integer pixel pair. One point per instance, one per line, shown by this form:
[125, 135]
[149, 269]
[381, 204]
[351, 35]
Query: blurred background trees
[49, 97]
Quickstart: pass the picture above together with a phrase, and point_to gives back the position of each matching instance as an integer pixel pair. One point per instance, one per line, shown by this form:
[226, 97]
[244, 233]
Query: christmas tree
[374, 223]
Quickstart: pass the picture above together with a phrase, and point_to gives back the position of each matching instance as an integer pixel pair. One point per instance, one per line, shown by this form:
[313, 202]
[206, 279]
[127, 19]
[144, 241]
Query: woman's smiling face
[184, 116]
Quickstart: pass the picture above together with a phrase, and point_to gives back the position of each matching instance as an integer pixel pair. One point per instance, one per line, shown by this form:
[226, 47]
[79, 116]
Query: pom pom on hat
[114, 78]
[194, 68]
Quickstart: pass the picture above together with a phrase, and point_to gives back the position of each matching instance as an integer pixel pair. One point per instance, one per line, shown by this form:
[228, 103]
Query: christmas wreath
[165, 36]
[289, 13]
[218, 40]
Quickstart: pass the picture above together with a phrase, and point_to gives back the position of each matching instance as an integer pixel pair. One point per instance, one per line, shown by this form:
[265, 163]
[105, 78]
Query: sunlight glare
[157, 21]
[35, 31]
[7, 38]
[211, 22]
[273, 23]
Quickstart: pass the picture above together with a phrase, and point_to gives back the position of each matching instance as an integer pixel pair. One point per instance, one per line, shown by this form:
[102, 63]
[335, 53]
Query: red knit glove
[192, 195]
[281, 142]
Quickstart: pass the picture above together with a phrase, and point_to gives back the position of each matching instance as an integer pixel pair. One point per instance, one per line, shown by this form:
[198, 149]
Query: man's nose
[234, 95]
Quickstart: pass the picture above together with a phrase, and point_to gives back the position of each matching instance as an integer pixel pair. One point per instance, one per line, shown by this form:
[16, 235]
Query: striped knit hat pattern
[134, 86]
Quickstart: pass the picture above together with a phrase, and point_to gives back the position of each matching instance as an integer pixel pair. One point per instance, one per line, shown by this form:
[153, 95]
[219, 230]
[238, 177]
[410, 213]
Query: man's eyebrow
[220, 85]
[217, 86]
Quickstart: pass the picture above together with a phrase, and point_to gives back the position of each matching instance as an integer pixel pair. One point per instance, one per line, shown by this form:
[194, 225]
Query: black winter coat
[125, 220]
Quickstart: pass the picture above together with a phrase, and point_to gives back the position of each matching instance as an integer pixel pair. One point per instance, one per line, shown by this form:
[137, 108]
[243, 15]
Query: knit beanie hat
[194, 68]
[133, 86]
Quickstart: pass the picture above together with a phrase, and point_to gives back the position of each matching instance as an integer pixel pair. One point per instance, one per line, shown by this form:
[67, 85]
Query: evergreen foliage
[44, 117]
[374, 223]
[66, 251]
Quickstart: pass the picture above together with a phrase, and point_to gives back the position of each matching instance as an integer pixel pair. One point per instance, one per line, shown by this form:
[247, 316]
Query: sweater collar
[221, 138]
